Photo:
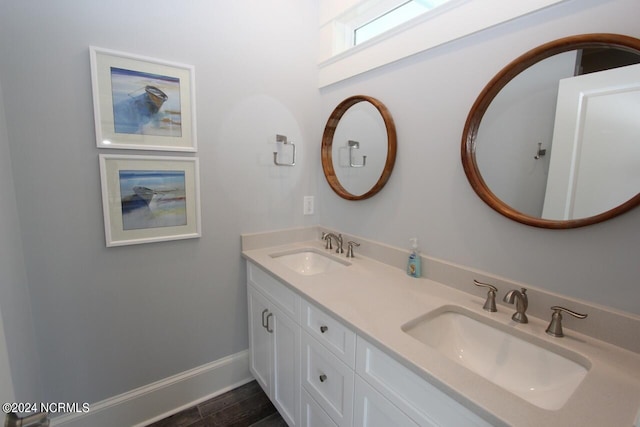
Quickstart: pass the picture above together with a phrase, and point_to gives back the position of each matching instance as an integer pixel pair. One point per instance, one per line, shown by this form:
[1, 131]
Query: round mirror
[358, 147]
[553, 141]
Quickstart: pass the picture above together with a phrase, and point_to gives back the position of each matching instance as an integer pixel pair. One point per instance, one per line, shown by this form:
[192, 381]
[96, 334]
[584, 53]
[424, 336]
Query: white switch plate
[307, 208]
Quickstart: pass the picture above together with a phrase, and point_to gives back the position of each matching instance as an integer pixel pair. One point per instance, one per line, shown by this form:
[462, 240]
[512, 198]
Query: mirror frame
[492, 89]
[327, 147]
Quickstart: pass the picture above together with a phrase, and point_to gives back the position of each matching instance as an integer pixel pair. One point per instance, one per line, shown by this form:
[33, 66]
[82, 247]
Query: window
[433, 23]
[400, 14]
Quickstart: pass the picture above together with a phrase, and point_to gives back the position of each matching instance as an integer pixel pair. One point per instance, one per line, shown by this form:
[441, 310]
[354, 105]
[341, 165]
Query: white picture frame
[149, 198]
[142, 103]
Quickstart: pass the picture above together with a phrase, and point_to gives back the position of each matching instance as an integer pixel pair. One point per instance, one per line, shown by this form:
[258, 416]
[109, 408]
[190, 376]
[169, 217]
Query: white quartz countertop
[376, 299]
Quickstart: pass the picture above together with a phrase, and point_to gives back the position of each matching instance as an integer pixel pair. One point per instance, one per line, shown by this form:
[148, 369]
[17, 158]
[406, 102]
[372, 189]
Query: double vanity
[353, 341]
[338, 339]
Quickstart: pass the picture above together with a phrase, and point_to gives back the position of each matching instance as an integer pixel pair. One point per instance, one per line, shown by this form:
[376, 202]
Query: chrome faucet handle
[555, 326]
[350, 245]
[490, 303]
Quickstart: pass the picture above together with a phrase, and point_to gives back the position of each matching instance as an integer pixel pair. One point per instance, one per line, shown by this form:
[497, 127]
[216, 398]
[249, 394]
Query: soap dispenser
[413, 264]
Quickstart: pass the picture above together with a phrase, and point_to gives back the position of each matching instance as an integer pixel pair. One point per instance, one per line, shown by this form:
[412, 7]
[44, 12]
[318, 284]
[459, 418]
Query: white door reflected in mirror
[595, 156]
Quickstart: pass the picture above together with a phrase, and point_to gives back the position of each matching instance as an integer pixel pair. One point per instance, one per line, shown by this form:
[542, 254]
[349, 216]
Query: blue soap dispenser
[413, 264]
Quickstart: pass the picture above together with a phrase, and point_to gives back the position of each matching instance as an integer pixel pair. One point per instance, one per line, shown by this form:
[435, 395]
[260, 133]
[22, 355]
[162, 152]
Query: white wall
[428, 195]
[110, 320]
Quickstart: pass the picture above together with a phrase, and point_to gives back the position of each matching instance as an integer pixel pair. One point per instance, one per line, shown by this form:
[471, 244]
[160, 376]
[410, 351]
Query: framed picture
[149, 198]
[142, 103]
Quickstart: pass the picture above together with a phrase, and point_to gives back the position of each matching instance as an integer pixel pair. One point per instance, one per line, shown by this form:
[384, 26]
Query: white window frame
[339, 59]
[397, 14]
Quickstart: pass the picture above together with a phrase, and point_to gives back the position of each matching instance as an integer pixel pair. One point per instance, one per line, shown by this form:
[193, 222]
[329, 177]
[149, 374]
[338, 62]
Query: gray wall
[428, 195]
[518, 118]
[15, 306]
[110, 320]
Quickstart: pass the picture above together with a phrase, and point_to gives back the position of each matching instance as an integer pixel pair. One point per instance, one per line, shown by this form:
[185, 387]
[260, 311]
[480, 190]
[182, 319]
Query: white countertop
[376, 299]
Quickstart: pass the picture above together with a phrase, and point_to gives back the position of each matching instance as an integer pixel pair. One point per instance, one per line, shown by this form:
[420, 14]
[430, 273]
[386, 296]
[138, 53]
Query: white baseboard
[153, 402]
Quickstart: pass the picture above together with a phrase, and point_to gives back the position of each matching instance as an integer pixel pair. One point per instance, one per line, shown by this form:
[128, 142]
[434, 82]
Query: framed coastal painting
[142, 103]
[149, 198]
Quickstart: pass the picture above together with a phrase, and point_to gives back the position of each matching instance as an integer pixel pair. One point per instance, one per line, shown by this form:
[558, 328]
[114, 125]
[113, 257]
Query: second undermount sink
[533, 372]
[310, 261]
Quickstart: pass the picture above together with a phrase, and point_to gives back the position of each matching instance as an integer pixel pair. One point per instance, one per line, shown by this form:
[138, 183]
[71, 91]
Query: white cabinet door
[274, 345]
[372, 409]
[260, 340]
[285, 387]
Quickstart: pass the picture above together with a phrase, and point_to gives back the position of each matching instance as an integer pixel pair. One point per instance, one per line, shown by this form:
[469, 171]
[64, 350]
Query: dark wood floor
[242, 407]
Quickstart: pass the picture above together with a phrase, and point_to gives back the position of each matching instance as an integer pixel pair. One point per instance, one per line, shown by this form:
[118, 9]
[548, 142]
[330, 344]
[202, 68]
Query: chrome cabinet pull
[264, 323]
[323, 378]
[323, 329]
[267, 326]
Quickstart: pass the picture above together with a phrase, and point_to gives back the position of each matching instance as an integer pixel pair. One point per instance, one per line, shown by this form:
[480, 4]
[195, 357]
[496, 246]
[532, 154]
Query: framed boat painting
[149, 198]
[142, 103]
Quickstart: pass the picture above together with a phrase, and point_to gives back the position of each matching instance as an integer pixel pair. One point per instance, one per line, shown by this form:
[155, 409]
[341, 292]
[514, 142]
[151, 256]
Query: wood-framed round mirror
[359, 147]
[552, 140]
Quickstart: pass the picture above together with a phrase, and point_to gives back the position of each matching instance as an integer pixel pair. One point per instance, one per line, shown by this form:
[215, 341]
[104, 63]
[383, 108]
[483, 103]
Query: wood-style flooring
[242, 407]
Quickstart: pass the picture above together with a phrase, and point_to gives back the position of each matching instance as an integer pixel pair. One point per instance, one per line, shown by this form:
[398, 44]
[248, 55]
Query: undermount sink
[534, 373]
[310, 261]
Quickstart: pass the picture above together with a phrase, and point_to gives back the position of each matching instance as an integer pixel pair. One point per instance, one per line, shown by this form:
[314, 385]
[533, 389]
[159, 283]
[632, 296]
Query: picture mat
[116, 235]
[102, 60]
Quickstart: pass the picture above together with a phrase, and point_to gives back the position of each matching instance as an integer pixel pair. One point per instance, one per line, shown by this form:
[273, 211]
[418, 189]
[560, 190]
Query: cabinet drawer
[312, 414]
[340, 340]
[328, 380]
[286, 299]
[371, 409]
[412, 394]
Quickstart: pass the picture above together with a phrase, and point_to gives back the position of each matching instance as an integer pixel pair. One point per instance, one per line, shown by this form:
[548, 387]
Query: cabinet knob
[323, 329]
[323, 378]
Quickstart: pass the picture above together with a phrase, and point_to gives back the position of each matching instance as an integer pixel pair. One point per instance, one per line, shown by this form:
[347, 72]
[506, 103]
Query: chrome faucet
[338, 239]
[522, 302]
[325, 237]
